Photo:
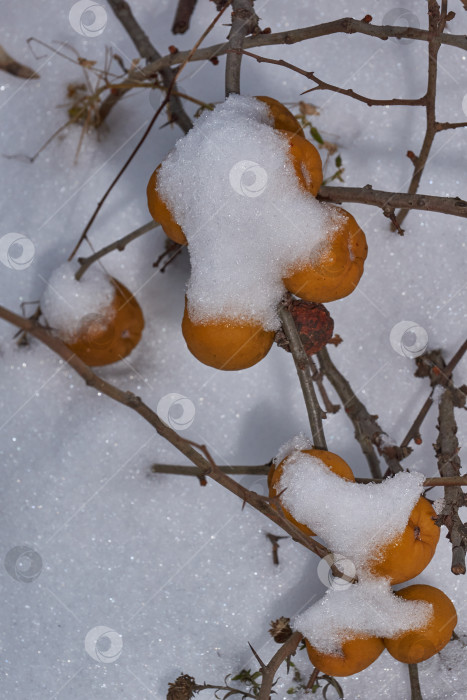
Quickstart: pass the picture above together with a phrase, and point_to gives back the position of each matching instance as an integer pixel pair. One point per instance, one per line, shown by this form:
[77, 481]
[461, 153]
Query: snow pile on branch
[365, 609]
[68, 305]
[232, 188]
[354, 519]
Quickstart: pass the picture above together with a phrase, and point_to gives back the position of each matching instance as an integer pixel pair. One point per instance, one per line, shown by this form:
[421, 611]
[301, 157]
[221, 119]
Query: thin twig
[305, 376]
[321, 85]
[127, 398]
[244, 21]
[120, 245]
[436, 25]
[263, 469]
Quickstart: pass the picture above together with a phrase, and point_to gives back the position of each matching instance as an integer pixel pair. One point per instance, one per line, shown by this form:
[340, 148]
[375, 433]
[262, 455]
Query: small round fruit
[226, 344]
[418, 645]
[335, 463]
[356, 655]
[338, 269]
[306, 162]
[160, 212]
[411, 553]
[111, 334]
[283, 117]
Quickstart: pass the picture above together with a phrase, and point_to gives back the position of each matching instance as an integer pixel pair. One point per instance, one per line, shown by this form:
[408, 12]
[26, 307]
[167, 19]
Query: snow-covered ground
[179, 574]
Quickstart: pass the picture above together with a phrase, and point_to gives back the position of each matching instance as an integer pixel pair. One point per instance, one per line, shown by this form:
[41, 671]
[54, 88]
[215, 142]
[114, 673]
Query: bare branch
[449, 465]
[120, 245]
[381, 199]
[321, 85]
[346, 25]
[415, 690]
[127, 398]
[367, 430]
[182, 17]
[244, 21]
[148, 51]
[305, 376]
[8, 64]
[269, 671]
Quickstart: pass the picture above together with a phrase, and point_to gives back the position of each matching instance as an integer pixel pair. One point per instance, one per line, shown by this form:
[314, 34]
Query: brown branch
[346, 25]
[120, 245]
[127, 398]
[436, 25]
[304, 372]
[263, 469]
[415, 690]
[439, 374]
[321, 85]
[449, 465]
[146, 50]
[401, 200]
[244, 21]
[182, 18]
[442, 126]
[269, 671]
[367, 430]
[8, 64]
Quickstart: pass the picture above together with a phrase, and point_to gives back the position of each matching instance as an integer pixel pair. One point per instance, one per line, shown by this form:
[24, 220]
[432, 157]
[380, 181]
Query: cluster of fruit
[230, 344]
[398, 561]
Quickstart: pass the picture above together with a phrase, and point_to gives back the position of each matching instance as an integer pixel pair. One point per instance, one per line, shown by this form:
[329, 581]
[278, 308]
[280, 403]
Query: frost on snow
[355, 521]
[68, 305]
[231, 187]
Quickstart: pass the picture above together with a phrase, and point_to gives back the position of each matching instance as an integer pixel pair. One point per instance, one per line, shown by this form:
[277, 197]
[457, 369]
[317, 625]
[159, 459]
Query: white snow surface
[355, 520]
[182, 572]
[366, 609]
[231, 186]
[67, 304]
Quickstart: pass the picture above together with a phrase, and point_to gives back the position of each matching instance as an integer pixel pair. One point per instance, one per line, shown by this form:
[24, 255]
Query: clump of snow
[355, 520]
[297, 443]
[68, 304]
[231, 186]
[366, 609]
[438, 505]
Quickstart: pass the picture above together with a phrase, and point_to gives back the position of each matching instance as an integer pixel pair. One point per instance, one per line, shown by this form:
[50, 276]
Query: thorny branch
[394, 200]
[127, 398]
[447, 448]
[346, 25]
[269, 670]
[305, 376]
